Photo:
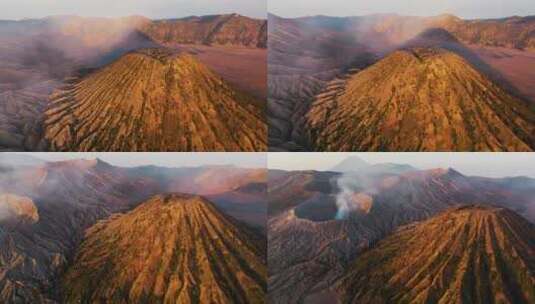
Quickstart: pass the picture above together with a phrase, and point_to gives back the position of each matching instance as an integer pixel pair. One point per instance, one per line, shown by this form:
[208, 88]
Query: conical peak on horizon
[468, 164]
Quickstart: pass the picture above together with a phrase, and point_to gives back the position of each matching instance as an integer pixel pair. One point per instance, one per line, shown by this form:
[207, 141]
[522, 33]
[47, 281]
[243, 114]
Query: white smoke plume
[17, 208]
[356, 192]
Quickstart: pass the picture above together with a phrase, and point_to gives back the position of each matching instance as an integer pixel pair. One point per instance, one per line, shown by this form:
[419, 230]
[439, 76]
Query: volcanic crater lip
[476, 207]
[320, 208]
[174, 197]
[160, 54]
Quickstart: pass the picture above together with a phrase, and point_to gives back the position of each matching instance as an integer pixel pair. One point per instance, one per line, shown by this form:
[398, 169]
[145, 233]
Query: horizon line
[401, 15]
[128, 16]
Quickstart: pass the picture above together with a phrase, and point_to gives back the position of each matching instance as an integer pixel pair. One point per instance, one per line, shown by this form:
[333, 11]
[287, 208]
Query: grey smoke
[349, 185]
[4, 212]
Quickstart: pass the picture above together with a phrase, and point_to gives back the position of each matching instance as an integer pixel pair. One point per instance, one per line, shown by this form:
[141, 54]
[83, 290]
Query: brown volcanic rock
[512, 32]
[153, 100]
[227, 30]
[193, 255]
[71, 196]
[306, 53]
[17, 209]
[307, 253]
[384, 29]
[420, 99]
[58, 202]
[472, 254]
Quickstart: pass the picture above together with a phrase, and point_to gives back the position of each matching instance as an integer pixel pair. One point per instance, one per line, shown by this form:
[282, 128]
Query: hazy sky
[18, 9]
[483, 164]
[461, 8]
[245, 160]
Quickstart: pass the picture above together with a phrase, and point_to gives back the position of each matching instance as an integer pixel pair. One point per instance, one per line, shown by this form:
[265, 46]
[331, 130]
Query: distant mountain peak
[207, 257]
[355, 164]
[351, 163]
[102, 164]
[228, 29]
[436, 173]
[448, 16]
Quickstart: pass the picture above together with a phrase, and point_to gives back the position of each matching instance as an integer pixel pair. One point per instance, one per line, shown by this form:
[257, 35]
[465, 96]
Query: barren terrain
[40, 56]
[311, 57]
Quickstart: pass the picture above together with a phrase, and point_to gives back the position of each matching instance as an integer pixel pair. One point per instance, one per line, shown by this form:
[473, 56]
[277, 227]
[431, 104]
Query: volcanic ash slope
[420, 99]
[174, 248]
[472, 254]
[154, 100]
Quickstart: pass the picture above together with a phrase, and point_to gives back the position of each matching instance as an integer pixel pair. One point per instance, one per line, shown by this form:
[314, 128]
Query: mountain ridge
[475, 253]
[312, 57]
[205, 256]
[158, 101]
[466, 99]
[71, 196]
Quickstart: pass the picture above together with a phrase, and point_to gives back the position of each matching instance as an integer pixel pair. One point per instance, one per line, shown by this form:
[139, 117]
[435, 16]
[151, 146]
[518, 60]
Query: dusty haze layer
[48, 207]
[323, 226]
[313, 62]
[41, 57]
[156, 9]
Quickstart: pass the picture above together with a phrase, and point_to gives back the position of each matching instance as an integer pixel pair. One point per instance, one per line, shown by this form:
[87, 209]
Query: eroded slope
[420, 99]
[154, 100]
[471, 254]
[193, 255]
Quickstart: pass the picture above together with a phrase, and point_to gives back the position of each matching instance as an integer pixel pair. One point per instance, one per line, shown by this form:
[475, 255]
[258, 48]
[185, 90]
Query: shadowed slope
[193, 255]
[153, 100]
[420, 99]
[305, 54]
[441, 38]
[45, 208]
[472, 254]
[247, 203]
[301, 60]
[49, 208]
